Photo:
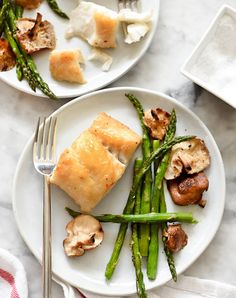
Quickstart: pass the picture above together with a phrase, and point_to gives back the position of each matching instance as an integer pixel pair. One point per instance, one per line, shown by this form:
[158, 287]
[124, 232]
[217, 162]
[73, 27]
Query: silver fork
[130, 4]
[44, 158]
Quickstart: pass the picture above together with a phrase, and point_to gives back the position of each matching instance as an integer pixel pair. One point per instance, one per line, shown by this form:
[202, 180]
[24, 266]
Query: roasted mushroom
[190, 157]
[176, 237]
[35, 35]
[84, 233]
[7, 58]
[188, 189]
[157, 120]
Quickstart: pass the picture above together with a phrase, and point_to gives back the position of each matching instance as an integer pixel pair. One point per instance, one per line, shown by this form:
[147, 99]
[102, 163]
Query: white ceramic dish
[206, 81]
[124, 56]
[87, 272]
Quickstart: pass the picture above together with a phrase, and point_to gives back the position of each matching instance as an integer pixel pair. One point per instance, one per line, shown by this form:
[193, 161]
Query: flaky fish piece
[96, 160]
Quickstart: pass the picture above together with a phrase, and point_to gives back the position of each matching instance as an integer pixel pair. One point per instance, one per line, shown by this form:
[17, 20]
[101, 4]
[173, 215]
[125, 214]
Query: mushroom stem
[142, 218]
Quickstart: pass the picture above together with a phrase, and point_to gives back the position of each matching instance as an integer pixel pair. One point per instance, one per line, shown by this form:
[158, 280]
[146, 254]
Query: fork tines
[44, 140]
[131, 4]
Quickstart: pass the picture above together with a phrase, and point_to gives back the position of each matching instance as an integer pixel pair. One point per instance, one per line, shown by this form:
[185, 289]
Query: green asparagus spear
[28, 60]
[147, 180]
[19, 13]
[136, 256]
[153, 249]
[169, 254]
[3, 13]
[152, 217]
[131, 199]
[159, 176]
[26, 72]
[54, 6]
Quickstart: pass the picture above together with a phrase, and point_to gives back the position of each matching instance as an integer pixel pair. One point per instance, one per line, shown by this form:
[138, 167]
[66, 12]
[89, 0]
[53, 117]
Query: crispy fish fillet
[7, 58]
[35, 35]
[96, 160]
[65, 66]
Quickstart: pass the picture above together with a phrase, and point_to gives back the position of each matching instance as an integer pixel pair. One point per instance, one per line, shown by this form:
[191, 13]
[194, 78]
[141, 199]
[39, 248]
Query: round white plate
[87, 272]
[124, 56]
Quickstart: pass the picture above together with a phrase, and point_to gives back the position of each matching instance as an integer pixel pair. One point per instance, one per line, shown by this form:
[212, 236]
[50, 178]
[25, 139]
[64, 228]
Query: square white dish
[212, 64]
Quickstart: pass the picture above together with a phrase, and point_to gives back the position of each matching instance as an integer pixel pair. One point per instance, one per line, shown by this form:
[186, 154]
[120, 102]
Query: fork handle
[47, 261]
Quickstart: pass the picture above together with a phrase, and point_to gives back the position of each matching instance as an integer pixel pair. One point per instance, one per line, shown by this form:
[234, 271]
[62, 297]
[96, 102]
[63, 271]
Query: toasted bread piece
[89, 169]
[29, 4]
[7, 58]
[35, 35]
[65, 66]
[94, 23]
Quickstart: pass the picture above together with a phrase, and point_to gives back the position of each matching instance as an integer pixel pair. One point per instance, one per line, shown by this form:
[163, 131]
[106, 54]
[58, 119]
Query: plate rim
[38, 93]
[126, 89]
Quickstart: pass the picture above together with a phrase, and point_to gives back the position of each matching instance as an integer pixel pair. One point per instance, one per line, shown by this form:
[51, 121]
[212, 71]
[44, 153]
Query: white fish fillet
[102, 57]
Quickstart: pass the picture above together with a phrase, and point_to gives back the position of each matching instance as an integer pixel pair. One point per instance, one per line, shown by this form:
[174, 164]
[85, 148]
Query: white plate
[124, 56]
[87, 272]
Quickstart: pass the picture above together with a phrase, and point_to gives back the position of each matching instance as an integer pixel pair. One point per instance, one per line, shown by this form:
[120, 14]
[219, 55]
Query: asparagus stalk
[153, 249]
[147, 180]
[136, 256]
[23, 58]
[159, 176]
[3, 13]
[19, 13]
[54, 6]
[26, 72]
[169, 254]
[131, 199]
[141, 218]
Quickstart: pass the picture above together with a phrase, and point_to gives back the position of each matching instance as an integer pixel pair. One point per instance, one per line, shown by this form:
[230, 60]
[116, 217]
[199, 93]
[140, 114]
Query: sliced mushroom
[187, 190]
[157, 120]
[176, 237]
[7, 58]
[35, 35]
[84, 233]
[190, 156]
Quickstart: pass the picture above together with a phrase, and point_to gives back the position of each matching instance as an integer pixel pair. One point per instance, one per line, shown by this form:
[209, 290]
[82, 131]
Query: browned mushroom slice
[84, 233]
[190, 156]
[187, 190]
[176, 237]
[157, 120]
[35, 35]
[29, 4]
[7, 58]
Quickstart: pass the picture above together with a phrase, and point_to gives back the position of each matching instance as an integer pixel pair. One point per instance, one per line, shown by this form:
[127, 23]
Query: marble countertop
[181, 25]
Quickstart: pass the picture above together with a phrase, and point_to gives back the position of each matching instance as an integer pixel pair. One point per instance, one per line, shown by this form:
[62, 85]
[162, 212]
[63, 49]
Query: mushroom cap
[84, 233]
[190, 156]
[188, 189]
[176, 237]
[157, 120]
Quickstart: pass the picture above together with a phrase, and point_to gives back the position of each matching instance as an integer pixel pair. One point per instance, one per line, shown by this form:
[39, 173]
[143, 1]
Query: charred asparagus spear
[169, 254]
[147, 180]
[19, 13]
[135, 247]
[141, 218]
[131, 199]
[3, 13]
[25, 61]
[157, 188]
[54, 6]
